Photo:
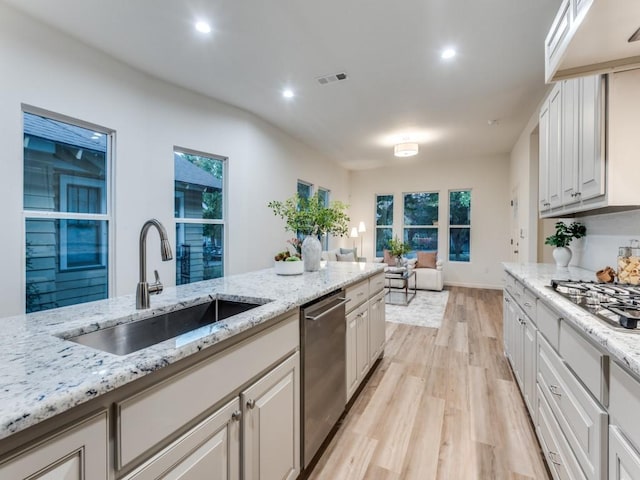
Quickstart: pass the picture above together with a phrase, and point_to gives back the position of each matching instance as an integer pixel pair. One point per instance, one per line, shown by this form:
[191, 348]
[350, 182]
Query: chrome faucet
[144, 289]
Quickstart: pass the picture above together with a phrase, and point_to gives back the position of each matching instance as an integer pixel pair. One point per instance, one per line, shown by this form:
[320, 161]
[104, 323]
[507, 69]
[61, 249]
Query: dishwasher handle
[326, 312]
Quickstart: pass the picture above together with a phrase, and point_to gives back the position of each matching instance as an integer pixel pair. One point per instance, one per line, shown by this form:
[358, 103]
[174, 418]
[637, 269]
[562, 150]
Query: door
[351, 354]
[543, 177]
[362, 340]
[592, 161]
[271, 424]
[529, 367]
[79, 453]
[624, 461]
[555, 148]
[570, 124]
[376, 326]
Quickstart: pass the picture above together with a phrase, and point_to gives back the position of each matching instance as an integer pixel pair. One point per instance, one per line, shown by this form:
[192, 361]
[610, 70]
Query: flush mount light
[203, 27]
[448, 53]
[405, 149]
[288, 93]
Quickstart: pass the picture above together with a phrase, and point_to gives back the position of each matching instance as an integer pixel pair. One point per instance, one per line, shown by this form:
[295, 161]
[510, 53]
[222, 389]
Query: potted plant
[398, 248]
[312, 218]
[562, 238]
[287, 263]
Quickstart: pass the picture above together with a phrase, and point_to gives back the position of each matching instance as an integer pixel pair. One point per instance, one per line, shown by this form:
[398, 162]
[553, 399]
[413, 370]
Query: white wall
[43, 68]
[488, 178]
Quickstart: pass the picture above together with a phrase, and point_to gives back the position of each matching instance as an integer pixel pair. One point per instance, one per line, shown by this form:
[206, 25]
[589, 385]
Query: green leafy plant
[310, 216]
[565, 234]
[397, 247]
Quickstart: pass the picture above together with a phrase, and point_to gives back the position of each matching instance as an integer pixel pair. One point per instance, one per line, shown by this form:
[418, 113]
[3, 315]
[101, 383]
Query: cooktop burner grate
[616, 304]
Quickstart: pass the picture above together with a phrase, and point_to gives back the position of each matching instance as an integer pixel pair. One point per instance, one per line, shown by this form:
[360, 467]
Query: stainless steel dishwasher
[324, 392]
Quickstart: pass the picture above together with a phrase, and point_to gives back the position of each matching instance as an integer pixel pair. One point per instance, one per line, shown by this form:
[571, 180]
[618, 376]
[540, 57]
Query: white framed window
[383, 222]
[324, 195]
[460, 225]
[199, 210]
[305, 189]
[420, 230]
[67, 210]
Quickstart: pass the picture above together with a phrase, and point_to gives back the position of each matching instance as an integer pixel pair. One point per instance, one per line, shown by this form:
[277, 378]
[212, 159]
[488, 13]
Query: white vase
[562, 256]
[311, 252]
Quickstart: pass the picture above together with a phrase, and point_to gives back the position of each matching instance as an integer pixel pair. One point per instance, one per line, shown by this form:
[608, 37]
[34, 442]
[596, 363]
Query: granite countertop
[623, 346]
[42, 375]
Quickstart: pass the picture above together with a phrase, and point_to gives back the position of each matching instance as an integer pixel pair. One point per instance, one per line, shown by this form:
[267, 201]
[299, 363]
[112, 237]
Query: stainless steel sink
[130, 337]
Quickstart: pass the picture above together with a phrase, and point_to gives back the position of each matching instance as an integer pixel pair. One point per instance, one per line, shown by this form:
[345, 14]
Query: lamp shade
[362, 228]
[354, 232]
[405, 149]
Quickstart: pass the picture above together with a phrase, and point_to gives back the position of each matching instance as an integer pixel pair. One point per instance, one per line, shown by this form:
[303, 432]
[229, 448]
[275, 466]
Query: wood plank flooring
[443, 404]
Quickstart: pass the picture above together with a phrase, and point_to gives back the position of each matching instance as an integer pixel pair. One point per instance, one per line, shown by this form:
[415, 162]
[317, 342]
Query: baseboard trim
[488, 286]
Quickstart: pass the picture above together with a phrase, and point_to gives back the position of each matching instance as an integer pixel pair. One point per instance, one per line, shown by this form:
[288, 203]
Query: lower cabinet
[624, 460]
[209, 450]
[357, 346]
[271, 424]
[78, 453]
[377, 332]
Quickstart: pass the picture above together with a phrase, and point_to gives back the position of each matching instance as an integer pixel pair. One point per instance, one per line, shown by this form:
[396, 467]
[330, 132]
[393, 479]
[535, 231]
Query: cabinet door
[570, 124]
[529, 367]
[555, 147]
[507, 311]
[624, 461]
[209, 450]
[351, 353]
[543, 172]
[271, 424]
[592, 163]
[376, 326]
[362, 342]
[78, 453]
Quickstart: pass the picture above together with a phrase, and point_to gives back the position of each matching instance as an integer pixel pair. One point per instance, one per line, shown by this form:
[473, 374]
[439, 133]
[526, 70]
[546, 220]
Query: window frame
[436, 227]
[450, 225]
[108, 217]
[207, 221]
[375, 220]
[325, 238]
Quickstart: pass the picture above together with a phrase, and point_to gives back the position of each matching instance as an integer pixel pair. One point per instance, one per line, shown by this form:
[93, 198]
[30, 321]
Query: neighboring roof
[187, 172]
[56, 131]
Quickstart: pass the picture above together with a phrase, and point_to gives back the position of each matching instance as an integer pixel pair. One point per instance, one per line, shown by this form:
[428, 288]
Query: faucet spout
[144, 289]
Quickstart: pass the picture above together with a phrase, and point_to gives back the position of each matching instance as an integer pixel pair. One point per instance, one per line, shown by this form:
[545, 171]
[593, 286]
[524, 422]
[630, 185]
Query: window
[305, 190]
[384, 222]
[323, 194]
[199, 211]
[421, 221]
[66, 207]
[459, 226]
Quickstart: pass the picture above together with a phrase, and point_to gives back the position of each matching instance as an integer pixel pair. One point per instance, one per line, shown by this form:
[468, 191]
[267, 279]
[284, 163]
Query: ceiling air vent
[334, 77]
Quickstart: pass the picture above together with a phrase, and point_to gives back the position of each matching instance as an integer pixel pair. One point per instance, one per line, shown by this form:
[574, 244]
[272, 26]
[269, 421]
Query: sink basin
[130, 337]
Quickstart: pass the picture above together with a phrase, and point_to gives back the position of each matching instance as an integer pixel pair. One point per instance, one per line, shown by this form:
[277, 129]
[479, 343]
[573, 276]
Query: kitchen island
[44, 377]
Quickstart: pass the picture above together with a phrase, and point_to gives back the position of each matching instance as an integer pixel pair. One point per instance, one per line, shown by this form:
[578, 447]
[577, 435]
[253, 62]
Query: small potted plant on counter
[288, 264]
[562, 238]
[312, 218]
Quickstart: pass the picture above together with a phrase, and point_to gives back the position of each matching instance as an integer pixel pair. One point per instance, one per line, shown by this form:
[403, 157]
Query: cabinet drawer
[548, 323]
[529, 305]
[148, 418]
[376, 284]
[560, 458]
[581, 419]
[589, 364]
[217, 436]
[509, 283]
[624, 403]
[624, 460]
[357, 294]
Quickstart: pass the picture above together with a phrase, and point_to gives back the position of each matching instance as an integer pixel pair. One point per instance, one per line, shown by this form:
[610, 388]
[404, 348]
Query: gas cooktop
[616, 304]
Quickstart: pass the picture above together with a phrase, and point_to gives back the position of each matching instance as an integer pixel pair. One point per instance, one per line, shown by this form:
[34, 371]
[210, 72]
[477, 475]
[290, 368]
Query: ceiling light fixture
[203, 27]
[405, 149]
[448, 53]
[288, 93]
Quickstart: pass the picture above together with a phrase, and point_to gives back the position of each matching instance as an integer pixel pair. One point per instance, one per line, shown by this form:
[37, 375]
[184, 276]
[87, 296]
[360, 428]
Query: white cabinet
[529, 363]
[209, 450]
[78, 453]
[591, 36]
[572, 158]
[376, 326]
[624, 460]
[271, 424]
[357, 345]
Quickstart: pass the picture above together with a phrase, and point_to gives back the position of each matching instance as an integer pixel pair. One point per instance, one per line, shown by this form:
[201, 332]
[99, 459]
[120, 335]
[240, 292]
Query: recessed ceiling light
[448, 53]
[288, 93]
[203, 27]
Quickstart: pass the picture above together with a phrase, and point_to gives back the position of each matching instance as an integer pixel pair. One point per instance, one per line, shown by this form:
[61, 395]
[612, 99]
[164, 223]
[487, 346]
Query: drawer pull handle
[360, 294]
[251, 403]
[507, 300]
[235, 416]
[555, 390]
[527, 304]
[553, 457]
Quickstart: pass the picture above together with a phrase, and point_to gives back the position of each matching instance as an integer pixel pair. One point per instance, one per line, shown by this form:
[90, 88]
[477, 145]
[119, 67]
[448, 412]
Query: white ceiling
[398, 85]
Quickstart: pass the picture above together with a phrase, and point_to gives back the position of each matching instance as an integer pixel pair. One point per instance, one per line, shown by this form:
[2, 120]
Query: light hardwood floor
[443, 404]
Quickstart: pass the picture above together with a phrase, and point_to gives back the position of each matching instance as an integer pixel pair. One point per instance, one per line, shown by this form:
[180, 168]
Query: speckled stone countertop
[623, 346]
[42, 375]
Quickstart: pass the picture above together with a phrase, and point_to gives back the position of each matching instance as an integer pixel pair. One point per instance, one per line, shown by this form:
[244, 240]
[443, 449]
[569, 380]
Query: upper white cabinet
[592, 36]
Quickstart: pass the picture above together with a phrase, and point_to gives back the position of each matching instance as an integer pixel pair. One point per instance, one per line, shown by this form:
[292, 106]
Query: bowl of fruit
[288, 264]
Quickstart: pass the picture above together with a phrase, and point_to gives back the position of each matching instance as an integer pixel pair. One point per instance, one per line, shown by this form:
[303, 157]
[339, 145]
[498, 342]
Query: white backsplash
[605, 233]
